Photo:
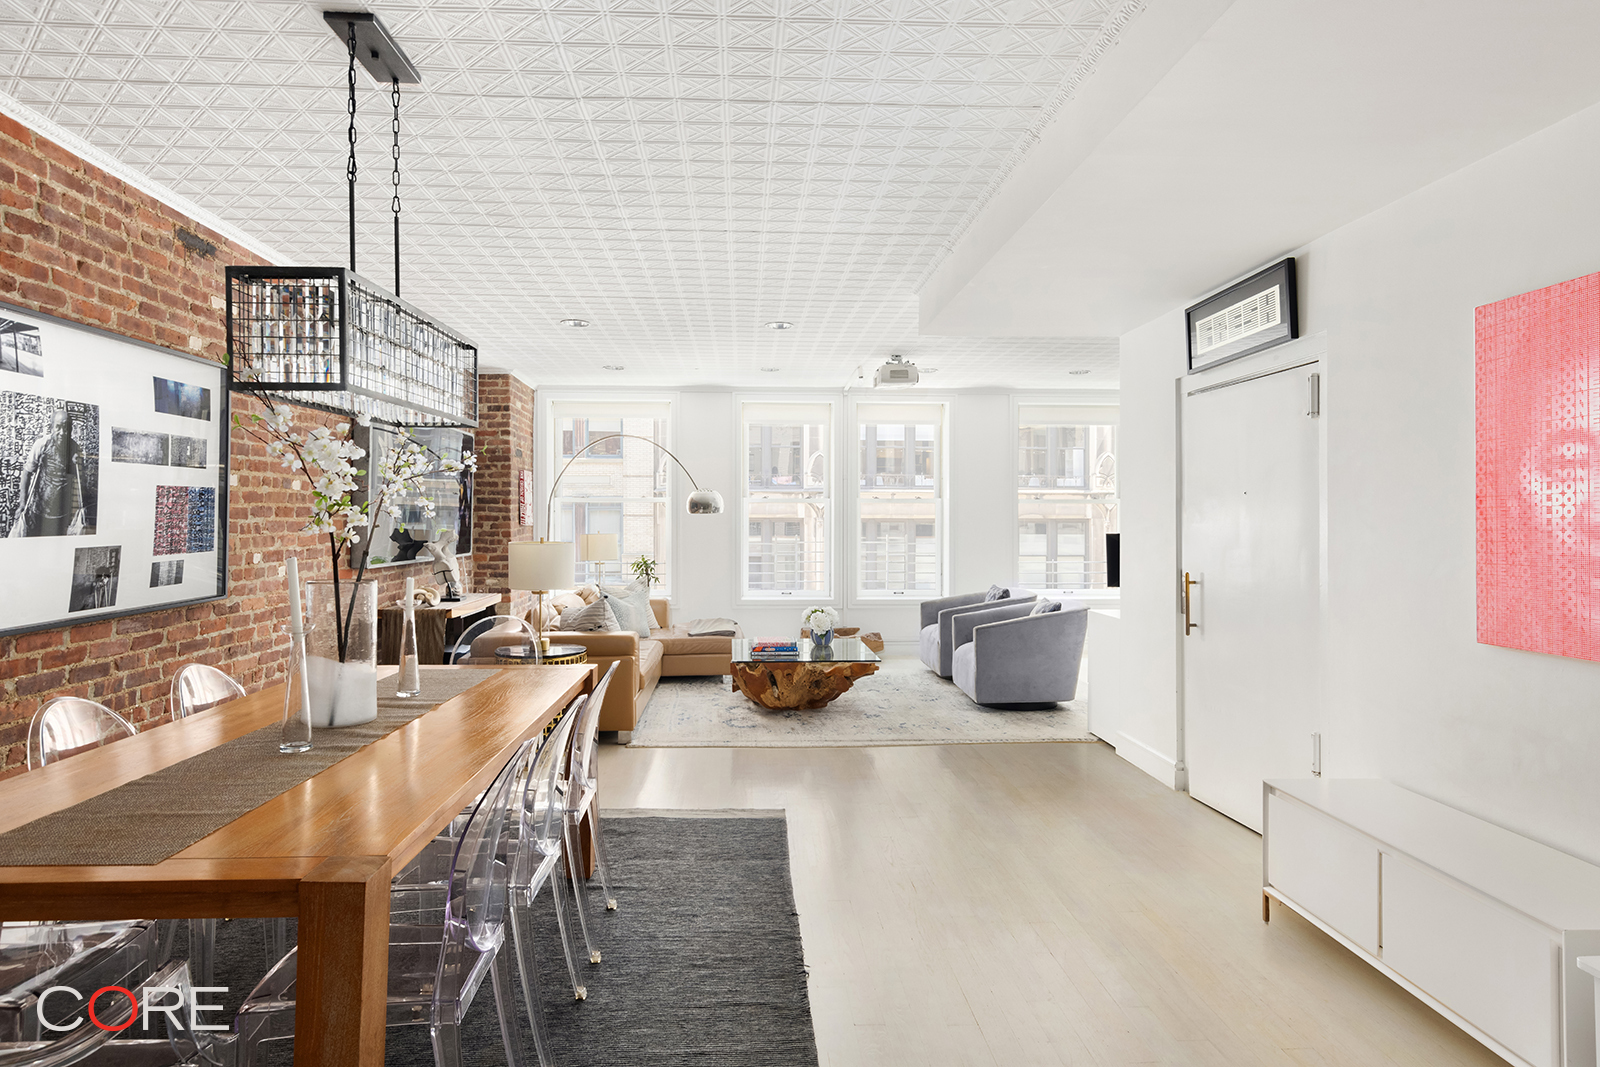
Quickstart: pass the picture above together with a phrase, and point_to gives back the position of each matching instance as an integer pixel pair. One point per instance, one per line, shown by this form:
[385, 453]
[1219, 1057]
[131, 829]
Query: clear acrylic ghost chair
[35, 956]
[164, 1007]
[444, 939]
[540, 860]
[109, 1046]
[515, 631]
[198, 687]
[67, 726]
[578, 790]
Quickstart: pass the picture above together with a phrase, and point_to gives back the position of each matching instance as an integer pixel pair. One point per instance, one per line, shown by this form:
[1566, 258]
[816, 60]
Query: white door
[1251, 546]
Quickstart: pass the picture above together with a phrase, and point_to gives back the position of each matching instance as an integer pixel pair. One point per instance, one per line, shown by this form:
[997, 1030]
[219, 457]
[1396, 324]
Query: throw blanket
[713, 628]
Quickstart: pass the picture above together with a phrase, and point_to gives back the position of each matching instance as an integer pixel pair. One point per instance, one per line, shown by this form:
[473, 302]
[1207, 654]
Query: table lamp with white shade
[599, 549]
[540, 566]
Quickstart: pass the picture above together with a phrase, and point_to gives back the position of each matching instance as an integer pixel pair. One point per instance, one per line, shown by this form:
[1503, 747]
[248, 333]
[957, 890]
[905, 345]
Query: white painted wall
[1408, 693]
[1152, 357]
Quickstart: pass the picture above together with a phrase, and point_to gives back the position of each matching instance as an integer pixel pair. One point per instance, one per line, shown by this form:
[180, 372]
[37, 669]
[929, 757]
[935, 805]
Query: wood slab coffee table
[816, 677]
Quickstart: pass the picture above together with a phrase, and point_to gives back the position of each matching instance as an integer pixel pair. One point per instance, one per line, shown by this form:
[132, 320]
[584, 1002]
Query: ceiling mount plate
[376, 48]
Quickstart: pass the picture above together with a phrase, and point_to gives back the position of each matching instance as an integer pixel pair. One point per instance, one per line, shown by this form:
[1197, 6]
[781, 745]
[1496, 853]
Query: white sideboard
[1484, 925]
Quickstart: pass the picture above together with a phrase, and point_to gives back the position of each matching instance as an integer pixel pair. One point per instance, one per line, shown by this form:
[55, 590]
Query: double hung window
[616, 485]
[788, 483]
[900, 499]
[1066, 495]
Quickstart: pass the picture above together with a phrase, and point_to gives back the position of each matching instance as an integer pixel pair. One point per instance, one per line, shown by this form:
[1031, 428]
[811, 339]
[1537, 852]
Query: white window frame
[1093, 412]
[851, 444]
[830, 501]
[547, 449]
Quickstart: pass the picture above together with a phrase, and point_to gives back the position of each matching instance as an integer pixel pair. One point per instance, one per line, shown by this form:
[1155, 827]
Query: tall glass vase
[342, 652]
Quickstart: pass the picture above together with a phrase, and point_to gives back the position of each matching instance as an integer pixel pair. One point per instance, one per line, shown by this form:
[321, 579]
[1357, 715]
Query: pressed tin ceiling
[677, 172]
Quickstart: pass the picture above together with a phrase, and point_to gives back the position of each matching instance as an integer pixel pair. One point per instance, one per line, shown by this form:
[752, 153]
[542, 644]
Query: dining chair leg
[600, 858]
[563, 924]
[275, 935]
[569, 828]
[505, 1007]
[203, 950]
[446, 1043]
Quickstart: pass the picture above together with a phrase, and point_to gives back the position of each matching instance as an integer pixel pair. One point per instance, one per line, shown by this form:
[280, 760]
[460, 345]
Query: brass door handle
[1188, 582]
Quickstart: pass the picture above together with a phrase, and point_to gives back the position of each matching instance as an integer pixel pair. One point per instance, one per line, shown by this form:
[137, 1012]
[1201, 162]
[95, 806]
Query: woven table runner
[155, 817]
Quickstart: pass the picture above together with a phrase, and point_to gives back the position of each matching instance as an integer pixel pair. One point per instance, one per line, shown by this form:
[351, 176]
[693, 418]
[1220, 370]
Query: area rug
[903, 704]
[702, 965]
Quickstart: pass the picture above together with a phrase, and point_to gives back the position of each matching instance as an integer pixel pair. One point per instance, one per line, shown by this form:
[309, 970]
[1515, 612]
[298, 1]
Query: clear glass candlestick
[410, 672]
[296, 734]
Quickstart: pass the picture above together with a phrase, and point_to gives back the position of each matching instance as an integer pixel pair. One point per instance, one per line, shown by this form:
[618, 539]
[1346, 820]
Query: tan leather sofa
[669, 651]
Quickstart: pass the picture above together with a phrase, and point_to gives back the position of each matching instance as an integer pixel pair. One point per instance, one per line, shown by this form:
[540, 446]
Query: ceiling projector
[896, 372]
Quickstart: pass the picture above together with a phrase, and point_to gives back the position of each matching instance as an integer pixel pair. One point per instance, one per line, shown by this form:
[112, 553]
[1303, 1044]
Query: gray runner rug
[703, 963]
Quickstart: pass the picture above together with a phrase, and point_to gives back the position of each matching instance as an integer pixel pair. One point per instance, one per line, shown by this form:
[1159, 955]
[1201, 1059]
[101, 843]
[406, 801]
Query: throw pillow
[996, 593]
[596, 618]
[1045, 604]
[587, 593]
[631, 604]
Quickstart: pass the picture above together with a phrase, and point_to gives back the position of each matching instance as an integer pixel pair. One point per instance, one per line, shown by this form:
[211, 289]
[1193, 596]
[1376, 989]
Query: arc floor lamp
[545, 564]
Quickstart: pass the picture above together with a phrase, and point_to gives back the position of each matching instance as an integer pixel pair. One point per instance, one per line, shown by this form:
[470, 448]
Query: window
[900, 499]
[787, 515]
[576, 433]
[619, 485]
[1066, 495]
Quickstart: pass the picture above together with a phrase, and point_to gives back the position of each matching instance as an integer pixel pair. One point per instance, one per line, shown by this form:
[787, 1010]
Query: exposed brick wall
[505, 447]
[78, 243]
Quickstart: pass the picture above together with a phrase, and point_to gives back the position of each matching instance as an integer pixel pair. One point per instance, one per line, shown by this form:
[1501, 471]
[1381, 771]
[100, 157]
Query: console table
[434, 626]
[1483, 925]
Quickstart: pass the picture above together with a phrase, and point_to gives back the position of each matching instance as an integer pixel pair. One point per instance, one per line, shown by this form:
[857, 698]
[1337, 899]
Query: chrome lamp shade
[325, 337]
[704, 502]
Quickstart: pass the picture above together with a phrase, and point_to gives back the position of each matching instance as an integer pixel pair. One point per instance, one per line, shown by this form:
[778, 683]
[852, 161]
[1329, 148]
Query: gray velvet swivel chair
[1006, 657]
[934, 643]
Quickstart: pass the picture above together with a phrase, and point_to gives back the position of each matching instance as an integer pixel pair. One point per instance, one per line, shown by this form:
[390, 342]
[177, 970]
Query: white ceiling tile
[676, 171]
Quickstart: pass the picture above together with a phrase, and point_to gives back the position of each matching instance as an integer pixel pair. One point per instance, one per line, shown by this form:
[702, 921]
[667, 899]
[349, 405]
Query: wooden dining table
[324, 851]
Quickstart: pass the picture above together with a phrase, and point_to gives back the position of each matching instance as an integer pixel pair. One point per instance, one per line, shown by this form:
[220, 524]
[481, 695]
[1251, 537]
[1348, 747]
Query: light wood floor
[1040, 904]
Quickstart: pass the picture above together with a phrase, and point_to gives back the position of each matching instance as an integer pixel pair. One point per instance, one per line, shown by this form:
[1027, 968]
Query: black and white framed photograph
[1245, 318]
[449, 494]
[113, 463]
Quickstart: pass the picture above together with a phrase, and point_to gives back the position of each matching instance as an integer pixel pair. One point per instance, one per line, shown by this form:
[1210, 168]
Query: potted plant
[342, 614]
[821, 622]
[646, 568]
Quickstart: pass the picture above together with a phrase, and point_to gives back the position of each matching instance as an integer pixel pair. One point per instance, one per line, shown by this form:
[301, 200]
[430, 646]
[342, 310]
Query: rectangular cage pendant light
[325, 337]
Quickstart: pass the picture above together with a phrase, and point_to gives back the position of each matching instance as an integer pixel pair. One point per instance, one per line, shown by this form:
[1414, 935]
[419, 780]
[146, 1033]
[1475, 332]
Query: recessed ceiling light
[1077, 372]
[778, 324]
[770, 370]
[611, 366]
[576, 324]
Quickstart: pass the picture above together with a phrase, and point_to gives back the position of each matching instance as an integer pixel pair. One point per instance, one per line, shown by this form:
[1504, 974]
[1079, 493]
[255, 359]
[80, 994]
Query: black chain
[394, 205]
[350, 167]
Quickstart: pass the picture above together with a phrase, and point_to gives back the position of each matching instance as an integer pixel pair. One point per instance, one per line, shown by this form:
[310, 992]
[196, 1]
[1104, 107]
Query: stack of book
[775, 648]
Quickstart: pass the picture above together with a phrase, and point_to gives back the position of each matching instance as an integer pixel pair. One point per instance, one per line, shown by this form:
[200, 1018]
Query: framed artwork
[113, 474]
[450, 494]
[1538, 454]
[1245, 318]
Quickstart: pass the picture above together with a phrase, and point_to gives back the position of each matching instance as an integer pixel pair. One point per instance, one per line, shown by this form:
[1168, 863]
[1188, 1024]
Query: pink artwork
[1538, 395]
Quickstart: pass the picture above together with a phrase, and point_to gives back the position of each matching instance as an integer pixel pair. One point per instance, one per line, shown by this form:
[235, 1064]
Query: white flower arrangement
[819, 620]
[326, 457]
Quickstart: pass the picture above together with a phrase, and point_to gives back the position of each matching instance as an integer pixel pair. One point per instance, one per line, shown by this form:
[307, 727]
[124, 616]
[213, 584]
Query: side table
[553, 656]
